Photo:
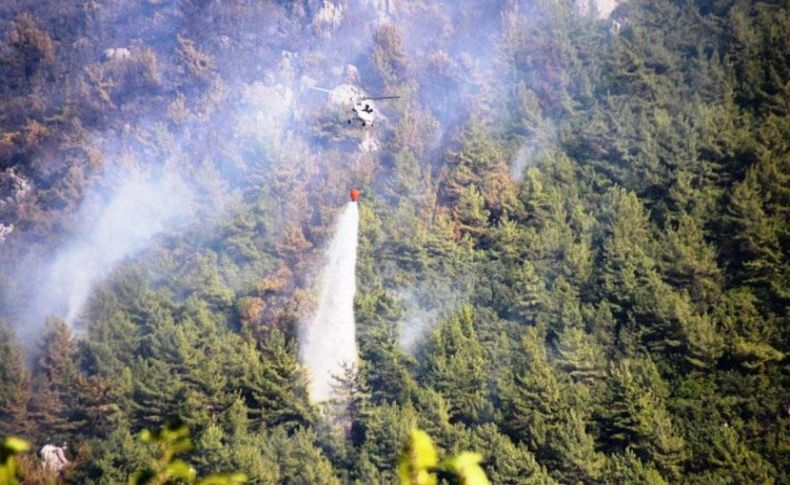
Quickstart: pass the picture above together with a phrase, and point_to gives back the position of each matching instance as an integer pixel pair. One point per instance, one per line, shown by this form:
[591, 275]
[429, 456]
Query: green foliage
[627, 468]
[301, 462]
[505, 461]
[635, 417]
[174, 439]
[418, 458]
[455, 364]
[10, 447]
[14, 387]
[573, 252]
[419, 464]
[536, 396]
[274, 384]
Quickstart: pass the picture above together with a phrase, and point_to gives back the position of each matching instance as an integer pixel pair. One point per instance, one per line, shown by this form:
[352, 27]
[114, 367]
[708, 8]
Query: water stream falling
[328, 339]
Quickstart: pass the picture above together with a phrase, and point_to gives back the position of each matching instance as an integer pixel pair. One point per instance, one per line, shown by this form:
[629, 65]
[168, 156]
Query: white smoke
[328, 340]
[417, 322]
[600, 8]
[428, 302]
[137, 211]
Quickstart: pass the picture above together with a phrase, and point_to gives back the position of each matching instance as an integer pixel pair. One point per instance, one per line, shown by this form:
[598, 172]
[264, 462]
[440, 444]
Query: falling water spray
[328, 339]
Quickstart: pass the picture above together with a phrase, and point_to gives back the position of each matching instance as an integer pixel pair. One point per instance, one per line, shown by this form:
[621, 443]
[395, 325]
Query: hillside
[573, 235]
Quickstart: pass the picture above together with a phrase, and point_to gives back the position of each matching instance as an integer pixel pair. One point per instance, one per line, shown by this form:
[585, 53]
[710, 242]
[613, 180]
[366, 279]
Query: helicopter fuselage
[362, 107]
[363, 111]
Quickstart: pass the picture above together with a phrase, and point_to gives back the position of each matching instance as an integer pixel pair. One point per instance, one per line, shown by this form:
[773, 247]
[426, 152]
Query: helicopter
[362, 107]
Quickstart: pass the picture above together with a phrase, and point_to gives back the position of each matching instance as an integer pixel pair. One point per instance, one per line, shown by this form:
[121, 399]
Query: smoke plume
[140, 208]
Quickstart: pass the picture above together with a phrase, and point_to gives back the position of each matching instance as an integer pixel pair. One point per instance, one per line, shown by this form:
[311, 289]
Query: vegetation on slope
[588, 220]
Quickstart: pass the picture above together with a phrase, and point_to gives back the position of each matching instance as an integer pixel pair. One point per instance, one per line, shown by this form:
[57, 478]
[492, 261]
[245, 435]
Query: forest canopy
[573, 236]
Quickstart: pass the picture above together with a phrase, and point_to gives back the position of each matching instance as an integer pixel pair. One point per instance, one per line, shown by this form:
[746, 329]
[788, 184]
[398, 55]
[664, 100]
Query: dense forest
[573, 236]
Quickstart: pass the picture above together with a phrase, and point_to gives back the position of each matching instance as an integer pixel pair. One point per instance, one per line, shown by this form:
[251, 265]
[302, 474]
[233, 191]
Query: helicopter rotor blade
[375, 98]
[330, 91]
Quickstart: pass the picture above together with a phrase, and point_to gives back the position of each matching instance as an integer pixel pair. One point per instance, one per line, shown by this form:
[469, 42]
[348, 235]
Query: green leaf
[142, 477]
[180, 469]
[419, 455]
[467, 467]
[15, 445]
[234, 479]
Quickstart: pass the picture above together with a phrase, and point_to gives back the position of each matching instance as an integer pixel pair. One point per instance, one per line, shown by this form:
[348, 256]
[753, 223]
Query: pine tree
[689, 262]
[627, 468]
[206, 283]
[580, 356]
[14, 387]
[470, 212]
[455, 366]
[299, 459]
[114, 458]
[251, 453]
[751, 339]
[387, 427]
[351, 403]
[566, 313]
[213, 454]
[536, 400]
[479, 185]
[389, 59]
[54, 402]
[273, 384]
[156, 393]
[667, 321]
[539, 410]
[570, 451]
[532, 300]
[733, 462]
[503, 461]
[758, 213]
[627, 266]
[634, 417]
[433, 415]
[384, 365]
